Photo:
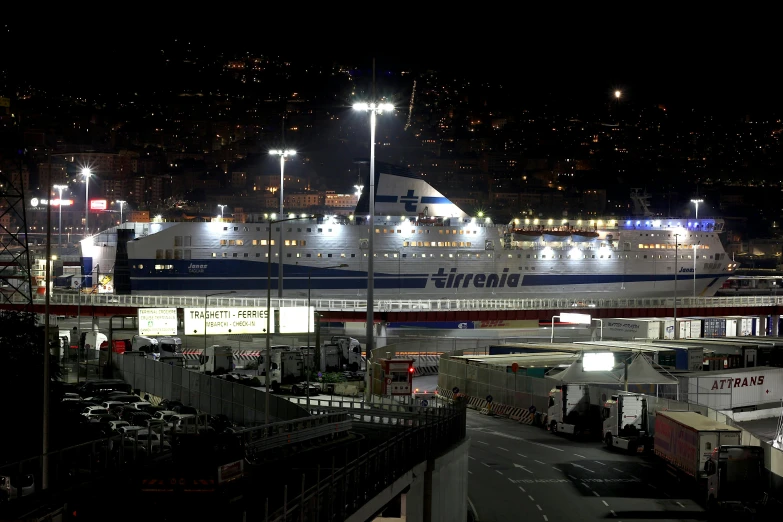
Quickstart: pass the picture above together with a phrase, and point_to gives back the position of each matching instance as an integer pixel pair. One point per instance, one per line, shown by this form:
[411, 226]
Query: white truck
[569, 409]
[215, 358]
[340, 354]
[157, 347]
[626, 423]
[710, 454]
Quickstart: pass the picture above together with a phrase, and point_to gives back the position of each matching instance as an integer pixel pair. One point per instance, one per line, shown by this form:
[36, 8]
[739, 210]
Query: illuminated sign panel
[598, 361]
[55, 202]
[98, 204]
[295, 319]
[226, 321]
[157, 321]
[575, 318]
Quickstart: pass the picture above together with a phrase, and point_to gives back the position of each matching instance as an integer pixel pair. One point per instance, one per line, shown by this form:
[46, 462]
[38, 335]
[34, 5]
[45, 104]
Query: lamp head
[86, 172]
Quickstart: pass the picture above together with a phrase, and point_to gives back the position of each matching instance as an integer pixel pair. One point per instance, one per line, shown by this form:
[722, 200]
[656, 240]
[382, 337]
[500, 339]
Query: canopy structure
[576, 374]
[640, 371]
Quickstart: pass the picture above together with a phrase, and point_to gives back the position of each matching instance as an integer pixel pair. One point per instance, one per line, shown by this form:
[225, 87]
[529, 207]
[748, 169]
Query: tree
[21, 379]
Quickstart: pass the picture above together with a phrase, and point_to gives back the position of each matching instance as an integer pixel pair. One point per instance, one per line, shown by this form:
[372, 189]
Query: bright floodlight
[697, 201]
[598, 361]
[280, 152]
[86, 172]
[386, 107]
[361, 106]
[274, 152]
[617, 94]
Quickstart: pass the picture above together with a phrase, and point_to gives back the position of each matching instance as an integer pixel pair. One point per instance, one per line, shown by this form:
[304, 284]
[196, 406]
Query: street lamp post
[59, 189]
[374, 109]
[696, 202]
[122, 203]
[283, 154]
[267, 379]
[309, 317]
[87, 173]
[676, 252]
[206, 299]
[221, 211]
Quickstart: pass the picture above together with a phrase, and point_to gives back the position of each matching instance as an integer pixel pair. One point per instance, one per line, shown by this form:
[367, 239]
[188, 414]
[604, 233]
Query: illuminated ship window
[319, 255]
[214, 254]
[240, 242]
[298, 254]
[225, 254]
[342, 255]
[232, 242]
[255, 242]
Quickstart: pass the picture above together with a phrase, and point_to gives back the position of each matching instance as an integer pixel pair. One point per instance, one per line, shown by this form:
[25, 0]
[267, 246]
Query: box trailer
[737, 388]
[620, 328]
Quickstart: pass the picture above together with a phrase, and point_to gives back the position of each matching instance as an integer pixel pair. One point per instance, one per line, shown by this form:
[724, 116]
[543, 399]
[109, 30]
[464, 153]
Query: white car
[117, 424]
[68, 396]
[138, 405]
[111, 404]
[164, 415]
[94, 411]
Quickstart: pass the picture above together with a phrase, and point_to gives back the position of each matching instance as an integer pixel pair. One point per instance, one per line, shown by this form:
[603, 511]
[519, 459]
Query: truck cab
[341, 353]
[735, 478]
[569, 408]
[625, 423]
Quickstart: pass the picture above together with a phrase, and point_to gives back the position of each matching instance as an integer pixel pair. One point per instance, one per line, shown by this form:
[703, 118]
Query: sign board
[226, 321]
[398, 367]
[157, 321]
[575, 318]
[515, 367]
[296, 319]
[55, 202]
[425, 403]
[489, 399]
[139, 216]
[231, 471]
[99, 204]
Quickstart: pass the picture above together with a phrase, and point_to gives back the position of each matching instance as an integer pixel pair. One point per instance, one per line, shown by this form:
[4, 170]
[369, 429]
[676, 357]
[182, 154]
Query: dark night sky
[657, 61]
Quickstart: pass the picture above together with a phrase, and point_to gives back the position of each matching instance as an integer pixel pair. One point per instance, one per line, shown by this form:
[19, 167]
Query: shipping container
[686, 439]
[713, 327]
[729, 389]
[689, 328]
[619, 328]
[667, 327]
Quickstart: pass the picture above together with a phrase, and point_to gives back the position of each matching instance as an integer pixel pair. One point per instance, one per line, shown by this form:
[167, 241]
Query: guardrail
[412, 305]
[349, 487]
[279, 434]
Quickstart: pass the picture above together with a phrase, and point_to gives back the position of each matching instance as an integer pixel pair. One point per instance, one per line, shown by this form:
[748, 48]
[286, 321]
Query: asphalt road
[520, 472]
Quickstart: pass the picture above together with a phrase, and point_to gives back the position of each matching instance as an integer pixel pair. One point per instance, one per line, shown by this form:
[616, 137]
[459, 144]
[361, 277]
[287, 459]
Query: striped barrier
[426, 364]
[243, 355]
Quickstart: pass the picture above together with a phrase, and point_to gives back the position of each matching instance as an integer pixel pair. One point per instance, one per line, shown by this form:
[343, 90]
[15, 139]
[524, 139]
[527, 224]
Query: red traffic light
[410, 369]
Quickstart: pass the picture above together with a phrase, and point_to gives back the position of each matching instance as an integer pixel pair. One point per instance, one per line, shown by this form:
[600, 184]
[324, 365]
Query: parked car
[11, 486]
[94, 411]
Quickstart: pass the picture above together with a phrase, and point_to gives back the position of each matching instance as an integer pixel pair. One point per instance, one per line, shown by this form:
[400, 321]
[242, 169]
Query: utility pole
[47, 350]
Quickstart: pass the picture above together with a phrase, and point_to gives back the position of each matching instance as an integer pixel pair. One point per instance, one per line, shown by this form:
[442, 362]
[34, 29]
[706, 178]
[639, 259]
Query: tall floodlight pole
[221, 211]
[696, 202]
[267, 379]
[59, 189]
[676, 255]
[374, 109]
[122, 203]
[87, 173]
[283, 155]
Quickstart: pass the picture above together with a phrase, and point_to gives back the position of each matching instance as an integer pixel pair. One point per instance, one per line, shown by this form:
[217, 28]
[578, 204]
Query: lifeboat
[556, 235]
[526, 235]
[582, 236]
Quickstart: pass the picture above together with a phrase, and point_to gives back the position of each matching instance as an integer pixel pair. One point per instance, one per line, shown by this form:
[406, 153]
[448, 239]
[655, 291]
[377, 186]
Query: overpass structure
[412, 310]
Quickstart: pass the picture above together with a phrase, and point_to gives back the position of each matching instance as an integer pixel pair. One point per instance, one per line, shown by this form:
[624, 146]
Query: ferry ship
[425, 247]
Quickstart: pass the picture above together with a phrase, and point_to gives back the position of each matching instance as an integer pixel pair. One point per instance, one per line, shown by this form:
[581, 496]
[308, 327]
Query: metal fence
[337, 494]
[411, 305]
[240, 403]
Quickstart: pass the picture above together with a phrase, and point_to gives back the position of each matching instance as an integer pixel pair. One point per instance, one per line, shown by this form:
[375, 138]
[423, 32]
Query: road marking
[635, 478]
[531, 498]
[522, 467]
[587, 469]
[471, 458]
[601, 463]
[487, 465]
[482, 442]
[504, 449]
[652, 486]
[498, 472]
[605, 503]
[539, 507]
[572, 477]
[512, 480]
[680, 504]
[621, 471]
[544, 463]
[596, 494]
[612, 512]
[512, 437]
[585, 485]
[546, 519]
[556, 469]
[470, 472]
[578, 455]
[475, 513]
[523, 456]
[523, 489]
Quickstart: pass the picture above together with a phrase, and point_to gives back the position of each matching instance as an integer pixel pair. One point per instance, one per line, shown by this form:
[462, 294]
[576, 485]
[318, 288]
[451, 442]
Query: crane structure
[410, 106]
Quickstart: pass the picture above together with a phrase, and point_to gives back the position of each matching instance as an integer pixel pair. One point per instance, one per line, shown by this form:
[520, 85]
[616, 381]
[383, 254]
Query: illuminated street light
[59, 189]
[617, 94]
[374, 109]
[696, 202]
[87, 173]
[283, 153]
[359, 189]
[221, 211]
[122, 204]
